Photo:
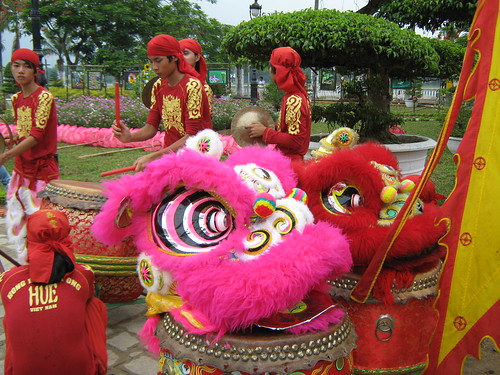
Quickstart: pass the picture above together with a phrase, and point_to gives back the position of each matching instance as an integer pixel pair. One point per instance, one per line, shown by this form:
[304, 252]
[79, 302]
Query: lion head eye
[341, 198]
[190, 221]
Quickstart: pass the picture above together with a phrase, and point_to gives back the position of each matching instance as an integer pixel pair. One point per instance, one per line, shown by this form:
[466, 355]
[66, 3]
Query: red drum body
[257, 352]
[114, 266]
[392, 339]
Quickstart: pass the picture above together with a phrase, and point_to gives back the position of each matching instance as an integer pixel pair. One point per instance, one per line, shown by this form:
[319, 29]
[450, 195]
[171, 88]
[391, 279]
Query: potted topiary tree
[328, 38]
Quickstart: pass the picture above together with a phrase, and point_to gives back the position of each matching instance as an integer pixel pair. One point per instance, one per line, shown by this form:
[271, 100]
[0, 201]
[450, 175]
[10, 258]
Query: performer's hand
[11, 141]
[140, 164]
[255, 129]
[121, 132]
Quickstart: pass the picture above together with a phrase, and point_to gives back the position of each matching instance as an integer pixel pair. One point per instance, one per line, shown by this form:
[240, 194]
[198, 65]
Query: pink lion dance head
[223, 244]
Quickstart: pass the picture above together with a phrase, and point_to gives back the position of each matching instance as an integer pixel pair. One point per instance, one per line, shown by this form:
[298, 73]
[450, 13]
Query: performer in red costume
[53, 324]
[192, 53]
[294, 129]
[178, 102]
[35, 162]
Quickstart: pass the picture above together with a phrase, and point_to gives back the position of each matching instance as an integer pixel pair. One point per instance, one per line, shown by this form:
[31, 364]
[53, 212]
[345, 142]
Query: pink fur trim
[147, 335]
[237, 294]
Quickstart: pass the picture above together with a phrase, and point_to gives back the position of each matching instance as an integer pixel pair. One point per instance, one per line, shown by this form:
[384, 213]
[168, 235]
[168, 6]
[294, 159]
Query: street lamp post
[255, 11]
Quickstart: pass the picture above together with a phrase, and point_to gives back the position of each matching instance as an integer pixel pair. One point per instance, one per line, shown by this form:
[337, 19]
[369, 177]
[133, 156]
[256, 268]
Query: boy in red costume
[179, 101]
[53, 324]
[191, 50]
[294, 129]
[35, 162]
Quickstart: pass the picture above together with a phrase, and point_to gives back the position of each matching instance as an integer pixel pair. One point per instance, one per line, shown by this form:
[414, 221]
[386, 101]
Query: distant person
[34, 146]
[261, 87]
[4, 177]
[53, 324]
[293, 132]
[179, 101]
[192, 53]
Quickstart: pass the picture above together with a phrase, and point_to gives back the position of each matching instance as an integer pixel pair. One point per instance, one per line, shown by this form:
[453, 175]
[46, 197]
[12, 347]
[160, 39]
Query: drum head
[245, 117]
[74, 194]
[147, 91]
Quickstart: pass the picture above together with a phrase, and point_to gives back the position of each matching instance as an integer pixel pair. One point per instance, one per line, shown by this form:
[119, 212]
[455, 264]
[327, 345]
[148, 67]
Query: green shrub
[462, 119]
[9, 85]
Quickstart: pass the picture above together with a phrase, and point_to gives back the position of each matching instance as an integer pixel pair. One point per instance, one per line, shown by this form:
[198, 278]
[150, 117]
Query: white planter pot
[410, 103]
[453, 143]
[412, 156]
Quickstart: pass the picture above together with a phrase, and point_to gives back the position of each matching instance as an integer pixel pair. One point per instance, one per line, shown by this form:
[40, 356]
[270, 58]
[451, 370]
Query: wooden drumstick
[9, 258]
[118, 171]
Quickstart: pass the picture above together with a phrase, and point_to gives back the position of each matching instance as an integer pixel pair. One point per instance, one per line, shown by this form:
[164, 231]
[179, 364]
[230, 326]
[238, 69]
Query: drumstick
[112, 152]
[9, 258]
[118, 171]
[79, 144]
[117, 104]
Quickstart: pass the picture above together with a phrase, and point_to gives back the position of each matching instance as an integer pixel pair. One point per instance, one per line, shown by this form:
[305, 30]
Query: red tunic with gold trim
[45, 324]
[294, 129]
[182, 108]
[36, 115]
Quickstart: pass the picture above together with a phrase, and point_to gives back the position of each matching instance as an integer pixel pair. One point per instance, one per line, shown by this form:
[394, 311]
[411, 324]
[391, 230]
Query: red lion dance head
[361, 191]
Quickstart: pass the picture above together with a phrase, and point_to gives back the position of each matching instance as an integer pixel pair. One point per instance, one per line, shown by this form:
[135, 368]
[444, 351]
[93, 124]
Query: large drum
[393, 338]
[114, 266]
[257, 352]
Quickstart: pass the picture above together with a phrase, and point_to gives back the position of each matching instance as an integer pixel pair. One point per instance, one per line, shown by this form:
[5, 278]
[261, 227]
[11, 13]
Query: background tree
[328, 38]
[10, 19]
[115, 33]
[429, 15]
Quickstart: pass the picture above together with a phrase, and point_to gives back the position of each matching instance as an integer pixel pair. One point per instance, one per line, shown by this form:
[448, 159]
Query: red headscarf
[289, 76]
[48, 232]
[29, 55]
[195, 47]
[166, 45]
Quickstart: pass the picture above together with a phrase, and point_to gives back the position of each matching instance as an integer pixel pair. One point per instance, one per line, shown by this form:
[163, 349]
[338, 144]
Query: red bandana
[29, 55]
[289, 76]
[48, 232]
[166, 45]
[195, 47]
[26, 54]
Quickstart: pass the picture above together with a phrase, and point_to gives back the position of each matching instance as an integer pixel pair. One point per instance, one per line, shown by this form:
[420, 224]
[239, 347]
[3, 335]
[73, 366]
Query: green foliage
[114, 33]
[462, 120]
[326, 38]
[220, 90]
[451, 55]
[9, 84]
[273, 95]
[429, 14]
[367, 120]
[224, 110]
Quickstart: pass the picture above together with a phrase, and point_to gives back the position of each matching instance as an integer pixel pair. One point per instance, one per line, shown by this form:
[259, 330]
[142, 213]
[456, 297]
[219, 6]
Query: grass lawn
[90, 168]
[422, 122]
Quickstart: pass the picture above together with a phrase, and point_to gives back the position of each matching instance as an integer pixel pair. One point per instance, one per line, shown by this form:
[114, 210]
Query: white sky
[230, 12]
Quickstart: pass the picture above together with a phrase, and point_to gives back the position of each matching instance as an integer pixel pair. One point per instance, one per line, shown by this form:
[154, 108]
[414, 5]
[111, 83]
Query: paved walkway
[126, 355]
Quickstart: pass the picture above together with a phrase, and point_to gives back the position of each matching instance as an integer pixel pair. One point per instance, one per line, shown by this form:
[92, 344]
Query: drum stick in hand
[118, 171]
